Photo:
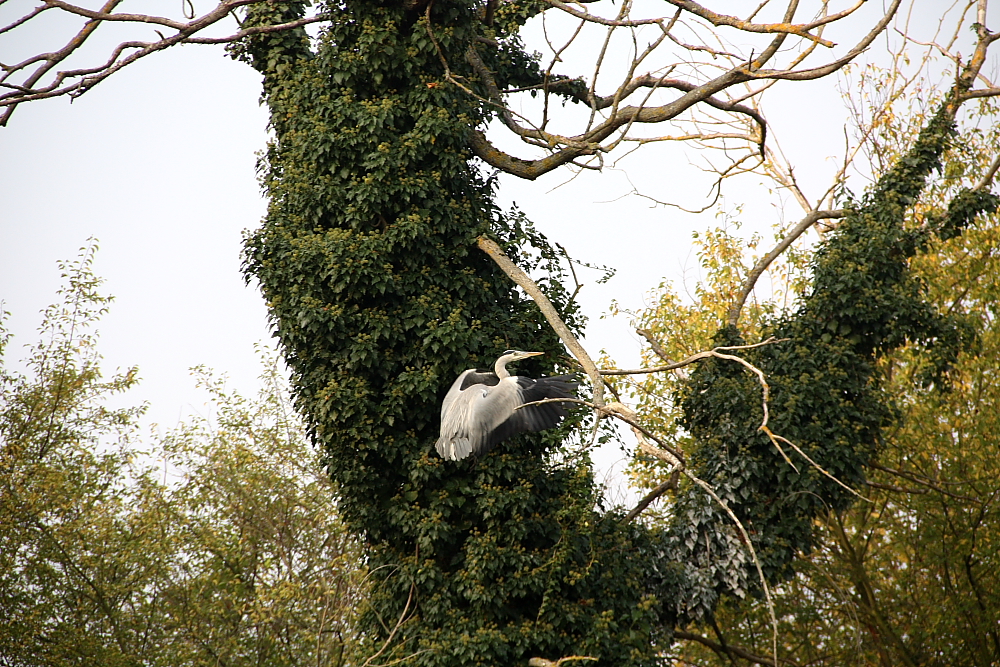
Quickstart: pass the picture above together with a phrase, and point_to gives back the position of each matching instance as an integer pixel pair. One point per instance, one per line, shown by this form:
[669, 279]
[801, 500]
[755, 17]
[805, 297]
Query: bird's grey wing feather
[466, 379]
[453, 394]
[476, 416]
[447, 445]
[535, 418]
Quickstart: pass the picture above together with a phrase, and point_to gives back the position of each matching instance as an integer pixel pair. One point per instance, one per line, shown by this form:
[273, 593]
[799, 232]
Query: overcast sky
[158, 163]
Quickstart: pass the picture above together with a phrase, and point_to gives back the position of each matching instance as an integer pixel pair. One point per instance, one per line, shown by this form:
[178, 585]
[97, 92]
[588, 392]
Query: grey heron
[480, 410]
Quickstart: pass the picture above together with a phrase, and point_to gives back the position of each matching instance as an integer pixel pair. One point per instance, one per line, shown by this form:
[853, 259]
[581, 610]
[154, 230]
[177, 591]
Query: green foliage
[910, 577]
[380, 298]
[683, 328]
[62, 498]
[825, 390]
[219, 545]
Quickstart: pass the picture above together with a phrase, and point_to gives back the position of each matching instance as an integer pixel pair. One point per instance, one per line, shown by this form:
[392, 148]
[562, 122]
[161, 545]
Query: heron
[481, 409]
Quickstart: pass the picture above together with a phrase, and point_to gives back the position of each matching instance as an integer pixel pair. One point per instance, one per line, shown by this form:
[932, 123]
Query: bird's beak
[531, 354]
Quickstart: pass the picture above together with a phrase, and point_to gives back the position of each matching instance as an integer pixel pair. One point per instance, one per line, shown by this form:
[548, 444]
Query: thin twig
[705, 354]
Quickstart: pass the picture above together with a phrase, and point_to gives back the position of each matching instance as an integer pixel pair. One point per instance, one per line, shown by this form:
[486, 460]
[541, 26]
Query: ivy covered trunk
[380, 298]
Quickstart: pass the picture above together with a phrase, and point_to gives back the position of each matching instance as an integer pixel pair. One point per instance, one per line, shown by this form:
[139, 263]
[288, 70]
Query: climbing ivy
[825, 387]
[379, 299]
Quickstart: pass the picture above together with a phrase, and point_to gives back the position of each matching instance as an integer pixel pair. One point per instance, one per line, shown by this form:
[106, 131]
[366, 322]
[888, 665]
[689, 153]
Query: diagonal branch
[733, 315]
[667, 485]
[731, 651]
[589, 142]
[748, 26]
[716, 19]
[830, 68]
[515, 273]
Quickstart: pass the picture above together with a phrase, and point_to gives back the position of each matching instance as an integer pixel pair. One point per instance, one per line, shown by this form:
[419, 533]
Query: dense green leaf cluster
[380, 298]
[825, 388]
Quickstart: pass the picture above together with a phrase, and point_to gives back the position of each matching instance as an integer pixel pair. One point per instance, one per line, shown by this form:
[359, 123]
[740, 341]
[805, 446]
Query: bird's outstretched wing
[465, 380]
[477, 416]
[534, 418]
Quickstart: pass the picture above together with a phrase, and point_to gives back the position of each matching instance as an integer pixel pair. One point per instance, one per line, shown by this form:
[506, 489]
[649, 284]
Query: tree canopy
[381, 195]
[379, 299]
[217, 542]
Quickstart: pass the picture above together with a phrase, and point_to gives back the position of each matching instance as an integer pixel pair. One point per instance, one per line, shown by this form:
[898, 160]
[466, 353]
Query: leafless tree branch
[603, 135]
[542, 662]
[731, 651]
[733, 316]
[717, 20]
[75, 82]
[522, 279]
[705, 354]
[669, 484]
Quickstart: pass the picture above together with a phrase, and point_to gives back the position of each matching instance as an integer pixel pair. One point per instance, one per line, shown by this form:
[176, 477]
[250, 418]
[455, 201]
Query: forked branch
[612, 120]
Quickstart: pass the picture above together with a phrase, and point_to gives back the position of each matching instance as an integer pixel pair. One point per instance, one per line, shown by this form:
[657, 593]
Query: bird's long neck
[500, 367]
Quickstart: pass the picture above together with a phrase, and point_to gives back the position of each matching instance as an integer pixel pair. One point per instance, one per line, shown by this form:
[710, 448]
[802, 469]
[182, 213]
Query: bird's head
[500, 367]
[515, 355]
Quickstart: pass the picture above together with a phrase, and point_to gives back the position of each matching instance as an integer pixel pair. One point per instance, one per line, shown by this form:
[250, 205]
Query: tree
[218, 544]
[379, 299]
[904, 577]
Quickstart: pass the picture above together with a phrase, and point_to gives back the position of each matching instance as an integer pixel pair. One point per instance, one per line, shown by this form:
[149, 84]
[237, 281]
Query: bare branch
[589, 142]
[542, 662]
[733, 316]
[981, 92]
[731, 651]
[134, 18]
[515, 273]
[76, 82]
[747, 26]
[988, 176]
[586, 16]
[774, 440]
[565, 149]
[24, 19]
[714, 352]
[801, 30]
[667, 485]
[829, 68]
